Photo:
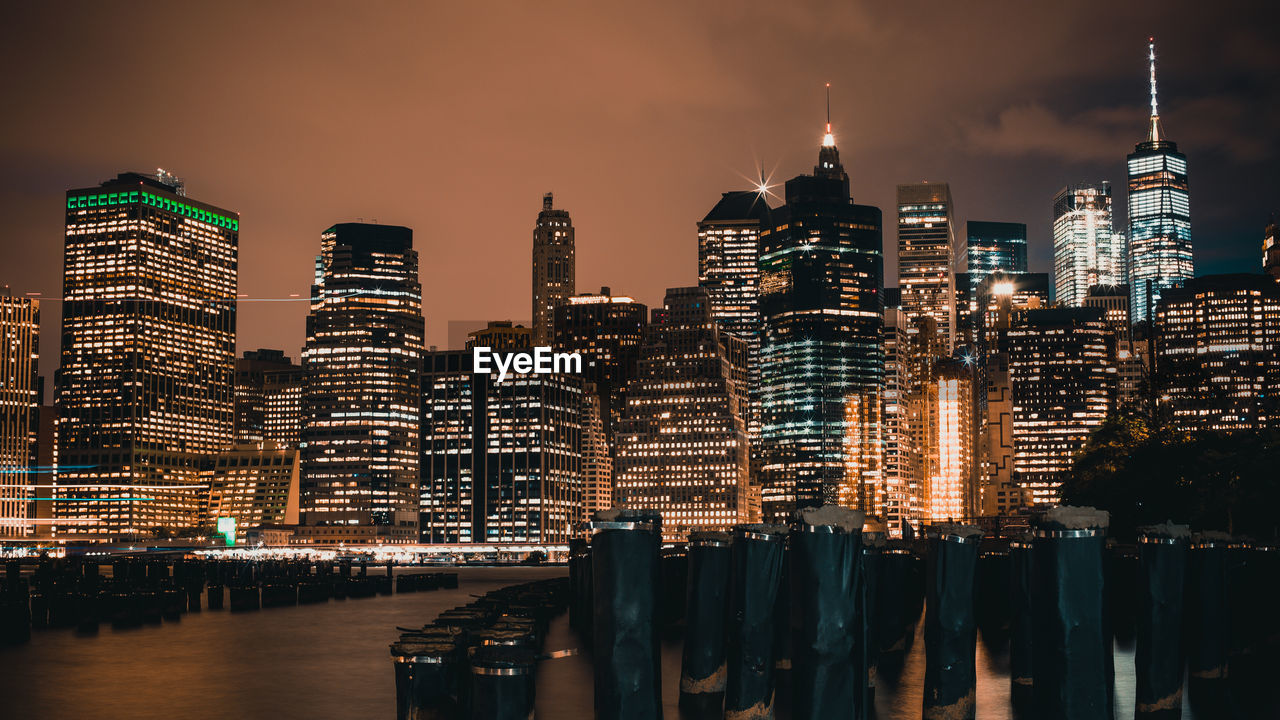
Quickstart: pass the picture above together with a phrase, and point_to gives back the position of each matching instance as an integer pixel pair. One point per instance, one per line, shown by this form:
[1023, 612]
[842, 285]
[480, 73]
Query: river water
[330, 661]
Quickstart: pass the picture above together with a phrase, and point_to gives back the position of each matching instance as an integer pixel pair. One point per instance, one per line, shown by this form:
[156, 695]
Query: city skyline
[1212, 102]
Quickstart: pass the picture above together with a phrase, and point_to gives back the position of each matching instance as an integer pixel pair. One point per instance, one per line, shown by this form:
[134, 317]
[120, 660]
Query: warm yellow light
[1002, 289]
[828, 140]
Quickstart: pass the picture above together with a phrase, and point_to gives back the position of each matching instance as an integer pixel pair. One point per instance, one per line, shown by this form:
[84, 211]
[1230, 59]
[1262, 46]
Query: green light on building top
[116, 199]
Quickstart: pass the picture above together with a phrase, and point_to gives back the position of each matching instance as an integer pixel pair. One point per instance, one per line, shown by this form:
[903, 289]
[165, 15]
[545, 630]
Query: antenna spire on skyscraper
[828, 140]
[1154, 135]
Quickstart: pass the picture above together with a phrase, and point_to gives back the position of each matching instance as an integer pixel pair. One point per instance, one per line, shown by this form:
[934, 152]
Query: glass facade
[361, 399]
[992, 246]
[145, 386]
[821, 355]
[1087, 251]
[927, 254]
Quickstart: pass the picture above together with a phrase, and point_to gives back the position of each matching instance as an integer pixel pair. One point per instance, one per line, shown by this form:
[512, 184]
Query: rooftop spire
[1154, 134]
[828, 140]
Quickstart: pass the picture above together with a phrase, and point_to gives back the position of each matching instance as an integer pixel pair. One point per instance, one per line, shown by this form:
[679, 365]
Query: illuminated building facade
[1218, 340]
[900, 455]
[255, 483]
[992, 246]
[1062, 385]
[729, 270]
[1159, 214]
[950, 489]
[19, 410]
[361, 400]
[268, 398]
[821, 355]
[500, 460]
[926, 255]
[1087, 250]
[608, 331]
[145, 387]
[554, 270]
[1128, 353]
[1271, 251]
[682, 441]
[597, 461]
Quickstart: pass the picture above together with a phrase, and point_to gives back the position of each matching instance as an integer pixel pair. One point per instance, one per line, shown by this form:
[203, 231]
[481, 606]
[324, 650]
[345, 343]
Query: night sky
[454, 119]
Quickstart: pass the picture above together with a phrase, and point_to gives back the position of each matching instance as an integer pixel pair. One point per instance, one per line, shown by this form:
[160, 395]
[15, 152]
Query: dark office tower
[729, 270]
[1087, 251]
[608, 331]
[1063, 383]
[361, 401]
[19, 410]
[927, 255]
[1159, 214]
[1271, 251]
[145, 387]
[268, 398]
[553, 268]
[682, 440]
[500, 460]
[501, 335]
[1218, 352]
[993, 246]
[821, 354]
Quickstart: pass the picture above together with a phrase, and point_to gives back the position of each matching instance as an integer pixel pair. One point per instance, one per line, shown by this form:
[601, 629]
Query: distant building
[821, 356]
[268, 398]
[682, 441]
[597, 460]
[1062, 385]
[927, 255]
[1271, 251]
[1218, 352]
[255, 483]
[145, 389]
[1160, 254]
[501, 461]
[19, 411]
[607, 330]
[901, 488]
[1128, 353]
[993, 246]
[1087, 250]
[729, 270]
[501, 335]
[361, 402]
[554, 267]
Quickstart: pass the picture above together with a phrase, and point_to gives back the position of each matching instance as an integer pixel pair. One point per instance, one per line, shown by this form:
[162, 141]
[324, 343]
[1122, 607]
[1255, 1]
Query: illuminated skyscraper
[1128, 354]
[1271, 251]
[1218, 344]
[1159, 214]
[682, 441]
[950, 490]
[1087, 250]
[361, 402]
[19, 409]
[255, 483]
[822, 354]
[993, 246]
[926, 256]
[145, 387]
[553, 268]
[597, 461]
[899, 452]
[500, 460]
[268, 398]
[1062, 385]
[729, 270]
[607, 330]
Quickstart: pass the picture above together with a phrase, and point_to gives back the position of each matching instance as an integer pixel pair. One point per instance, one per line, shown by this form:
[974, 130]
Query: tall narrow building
[729, 270]
[822, 354]
[1159, 214]
[144, 391]
[554, 270]
[1087, 251]
[682, 441]
[361, 403]
[607, 330]
[927, 256]
[19, 410]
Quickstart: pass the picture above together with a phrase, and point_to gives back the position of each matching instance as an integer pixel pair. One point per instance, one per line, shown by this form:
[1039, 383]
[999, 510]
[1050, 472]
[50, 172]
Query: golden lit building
[361, 398]
[597, 462]
[268, 398]
[950, 488]
[682, 442]
[554, 269]
[19, 409]
[145, 387]
[255, 483]
[926, 256]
